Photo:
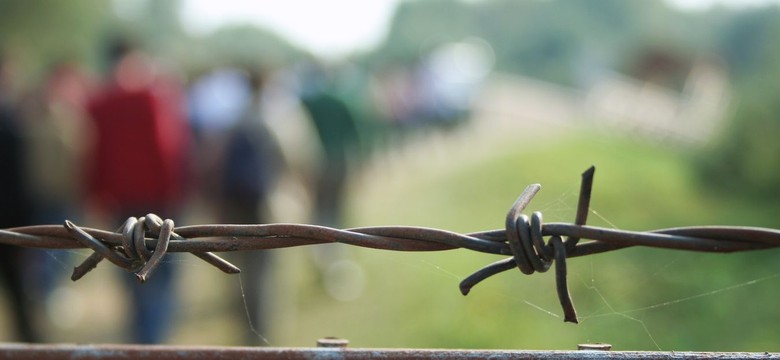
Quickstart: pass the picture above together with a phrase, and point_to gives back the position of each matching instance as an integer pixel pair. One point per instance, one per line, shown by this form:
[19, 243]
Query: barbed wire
[140, 244]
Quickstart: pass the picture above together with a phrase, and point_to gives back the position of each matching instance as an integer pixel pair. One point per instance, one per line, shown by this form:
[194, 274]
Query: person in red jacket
[136, 166]
[140, 147]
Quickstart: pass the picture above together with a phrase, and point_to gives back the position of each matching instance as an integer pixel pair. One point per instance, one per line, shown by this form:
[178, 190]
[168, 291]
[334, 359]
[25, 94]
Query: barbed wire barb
[139, 244]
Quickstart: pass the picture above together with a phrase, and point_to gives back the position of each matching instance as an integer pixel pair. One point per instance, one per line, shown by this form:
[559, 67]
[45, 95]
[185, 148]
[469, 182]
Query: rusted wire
[140, 244]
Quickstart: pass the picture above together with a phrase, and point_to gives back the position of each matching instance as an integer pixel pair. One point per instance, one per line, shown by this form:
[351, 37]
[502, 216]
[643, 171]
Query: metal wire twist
[140, 244]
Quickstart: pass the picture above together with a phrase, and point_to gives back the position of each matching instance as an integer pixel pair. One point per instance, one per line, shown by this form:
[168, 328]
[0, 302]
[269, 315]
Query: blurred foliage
[243, 45]
[157, 25]
[636, 184]
[38, 33]
[551, 40]
[746, 158]
[635, 299]
[544, 39]
[748, 41]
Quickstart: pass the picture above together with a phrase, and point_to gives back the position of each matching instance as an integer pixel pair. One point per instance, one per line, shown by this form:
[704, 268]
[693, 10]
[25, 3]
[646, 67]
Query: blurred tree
[157, 25]
[744, 39]
[544, 39]
[39, 32]
[248, 45]
[747, 157]
[418, 27]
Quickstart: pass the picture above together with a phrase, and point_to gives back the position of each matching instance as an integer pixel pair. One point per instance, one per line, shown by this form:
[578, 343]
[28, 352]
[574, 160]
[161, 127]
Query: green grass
[635, 299]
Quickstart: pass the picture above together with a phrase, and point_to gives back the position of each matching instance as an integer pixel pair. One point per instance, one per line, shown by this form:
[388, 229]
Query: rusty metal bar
[141, 243]
[168, 352]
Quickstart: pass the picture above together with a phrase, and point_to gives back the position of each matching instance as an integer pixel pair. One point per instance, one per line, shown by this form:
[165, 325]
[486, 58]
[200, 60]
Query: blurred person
[337, 132]
[216, 101]
[448, 79]
[336, 128]
[250, 167]
[14, 208]
[56, 133]
[54, 136]
[292, 197]
[251, 162]
[136, 165]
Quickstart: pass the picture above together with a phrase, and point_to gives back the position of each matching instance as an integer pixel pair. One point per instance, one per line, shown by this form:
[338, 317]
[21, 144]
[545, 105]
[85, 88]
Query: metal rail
[140, 243]
[86, 352]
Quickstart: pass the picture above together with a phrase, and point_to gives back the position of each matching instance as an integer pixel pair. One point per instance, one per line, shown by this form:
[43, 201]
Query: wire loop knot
[531, 254]
[133, 253]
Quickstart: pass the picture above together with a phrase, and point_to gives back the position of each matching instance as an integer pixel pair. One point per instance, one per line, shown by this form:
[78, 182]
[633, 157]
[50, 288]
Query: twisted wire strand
[140, 244]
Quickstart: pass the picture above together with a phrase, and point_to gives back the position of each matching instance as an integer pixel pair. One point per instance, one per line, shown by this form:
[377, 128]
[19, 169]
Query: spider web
[590, 276]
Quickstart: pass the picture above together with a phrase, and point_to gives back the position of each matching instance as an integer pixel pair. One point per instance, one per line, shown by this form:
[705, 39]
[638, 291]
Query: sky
[329, 28]
[333, 28]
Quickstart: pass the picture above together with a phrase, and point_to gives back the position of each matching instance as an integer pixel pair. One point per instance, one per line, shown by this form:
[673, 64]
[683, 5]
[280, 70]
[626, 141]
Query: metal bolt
[594, 347]
[332, 342]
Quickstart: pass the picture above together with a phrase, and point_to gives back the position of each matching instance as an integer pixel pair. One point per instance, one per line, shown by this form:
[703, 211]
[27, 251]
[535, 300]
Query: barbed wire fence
[140, 244]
